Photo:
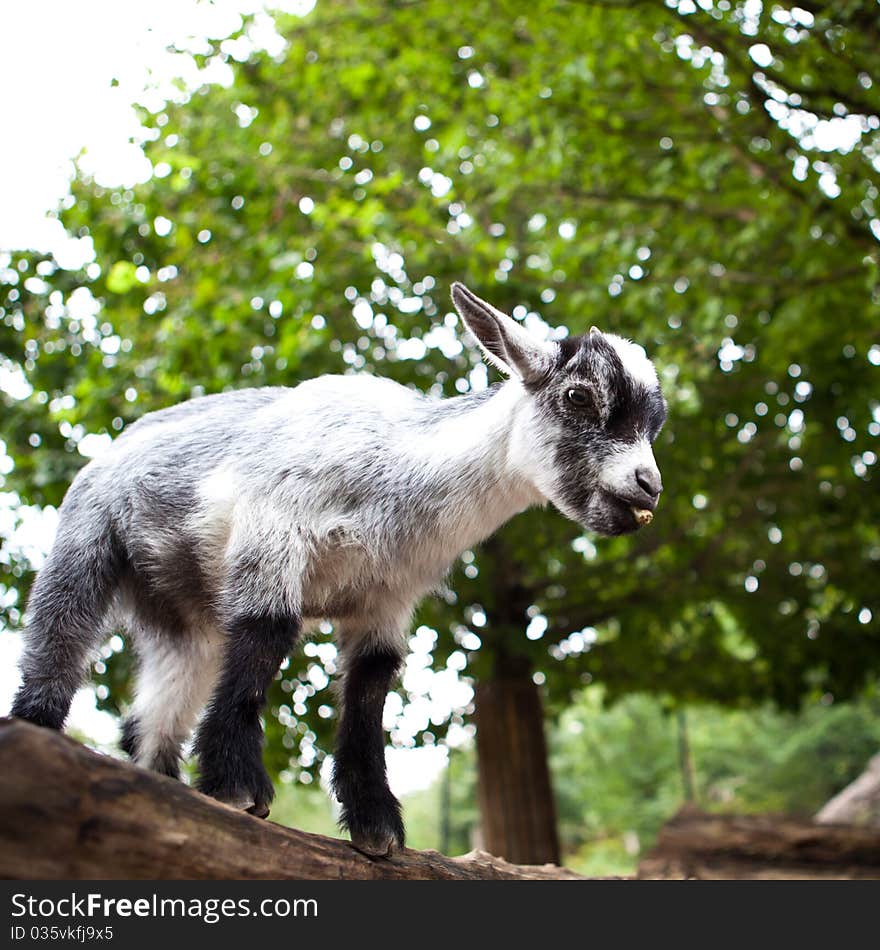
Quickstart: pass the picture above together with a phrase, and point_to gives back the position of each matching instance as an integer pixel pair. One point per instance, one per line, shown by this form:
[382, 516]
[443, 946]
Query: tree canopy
[699, 178]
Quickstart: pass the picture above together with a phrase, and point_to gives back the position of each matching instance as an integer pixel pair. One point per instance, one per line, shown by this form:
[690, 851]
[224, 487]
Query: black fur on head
[597, 410]
[607, 410]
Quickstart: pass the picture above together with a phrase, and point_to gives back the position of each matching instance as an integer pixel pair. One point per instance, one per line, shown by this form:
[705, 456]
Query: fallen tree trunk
[67, 812]
[858, 803]
[712, 847]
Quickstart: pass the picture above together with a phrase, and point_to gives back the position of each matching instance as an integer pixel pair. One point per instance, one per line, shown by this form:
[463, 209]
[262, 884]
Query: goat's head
[593, 409]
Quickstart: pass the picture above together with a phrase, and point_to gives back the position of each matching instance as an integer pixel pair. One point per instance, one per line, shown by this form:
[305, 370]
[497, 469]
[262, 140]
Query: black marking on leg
[370, 811]
[166, 759]
[130, 737]
[229, 743]
[67, 604]
[40, 704]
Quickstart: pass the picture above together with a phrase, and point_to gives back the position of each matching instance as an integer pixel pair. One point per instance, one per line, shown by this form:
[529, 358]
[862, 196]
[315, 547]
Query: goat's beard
[608, 515]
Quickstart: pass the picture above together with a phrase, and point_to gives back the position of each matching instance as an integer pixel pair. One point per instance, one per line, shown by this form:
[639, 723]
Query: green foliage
[767, 761]
[585, 162]
[304, 808]
[615, 769]
[444, 815]
[441, 817]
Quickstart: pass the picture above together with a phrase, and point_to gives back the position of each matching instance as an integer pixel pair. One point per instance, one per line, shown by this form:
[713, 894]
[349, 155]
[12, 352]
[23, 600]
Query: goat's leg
[369, 809]
[66, 612]
[176, 673]
[229, 741]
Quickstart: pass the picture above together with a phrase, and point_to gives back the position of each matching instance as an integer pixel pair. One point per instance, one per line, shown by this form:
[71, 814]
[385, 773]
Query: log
[67, 812]
[723, 847]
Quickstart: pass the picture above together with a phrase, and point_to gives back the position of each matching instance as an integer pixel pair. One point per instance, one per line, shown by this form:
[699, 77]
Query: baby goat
[216, 531]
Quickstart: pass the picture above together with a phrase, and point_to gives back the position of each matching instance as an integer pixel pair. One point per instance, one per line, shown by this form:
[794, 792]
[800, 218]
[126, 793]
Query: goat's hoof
[240, 803]
[247, 804]
[253, 794]
[373, 821]
[376, 845]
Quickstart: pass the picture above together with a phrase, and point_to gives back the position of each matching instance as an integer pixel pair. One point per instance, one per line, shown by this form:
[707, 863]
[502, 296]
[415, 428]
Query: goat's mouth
[610, 514]
[613, 515]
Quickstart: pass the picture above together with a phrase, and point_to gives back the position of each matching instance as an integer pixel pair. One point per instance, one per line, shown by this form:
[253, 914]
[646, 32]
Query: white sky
[57, 61]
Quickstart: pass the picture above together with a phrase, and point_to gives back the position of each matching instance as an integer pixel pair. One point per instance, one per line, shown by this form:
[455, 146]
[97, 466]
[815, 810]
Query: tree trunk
[685, 759]
[67, 812]
[858, 803]
[516, 798]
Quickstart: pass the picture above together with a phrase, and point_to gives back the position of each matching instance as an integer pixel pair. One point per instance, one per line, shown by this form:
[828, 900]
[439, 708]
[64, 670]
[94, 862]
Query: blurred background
[199, 196]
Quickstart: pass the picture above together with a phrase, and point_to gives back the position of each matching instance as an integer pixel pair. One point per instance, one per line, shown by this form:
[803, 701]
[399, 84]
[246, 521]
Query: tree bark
[858, 803]
[517, 807]
[67, 812]
[718, 847]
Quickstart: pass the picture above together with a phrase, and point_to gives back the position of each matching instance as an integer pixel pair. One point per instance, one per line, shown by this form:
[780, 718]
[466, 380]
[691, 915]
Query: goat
[216, 531]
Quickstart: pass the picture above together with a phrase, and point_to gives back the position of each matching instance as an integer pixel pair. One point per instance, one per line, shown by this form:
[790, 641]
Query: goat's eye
[578, 397]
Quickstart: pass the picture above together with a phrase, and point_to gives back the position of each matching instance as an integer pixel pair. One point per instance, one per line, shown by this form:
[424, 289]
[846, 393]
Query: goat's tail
[66, 610]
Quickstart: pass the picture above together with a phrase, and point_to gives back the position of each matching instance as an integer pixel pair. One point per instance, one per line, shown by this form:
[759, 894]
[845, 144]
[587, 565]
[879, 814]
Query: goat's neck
[477, 467]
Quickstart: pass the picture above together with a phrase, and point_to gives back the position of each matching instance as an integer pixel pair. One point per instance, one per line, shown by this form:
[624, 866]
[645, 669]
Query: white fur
[471, 474]
[175, 679]
[618, 471]
[635, 360]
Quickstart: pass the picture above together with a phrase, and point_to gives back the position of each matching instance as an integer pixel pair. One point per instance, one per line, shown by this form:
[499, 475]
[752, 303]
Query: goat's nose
[649, 481]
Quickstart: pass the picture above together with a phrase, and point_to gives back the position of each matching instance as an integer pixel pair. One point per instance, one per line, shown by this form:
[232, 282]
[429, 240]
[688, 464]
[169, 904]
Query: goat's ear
[507, 345]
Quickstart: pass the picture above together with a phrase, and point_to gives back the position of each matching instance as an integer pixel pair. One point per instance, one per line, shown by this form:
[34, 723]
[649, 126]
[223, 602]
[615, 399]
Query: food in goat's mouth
[642, 516]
